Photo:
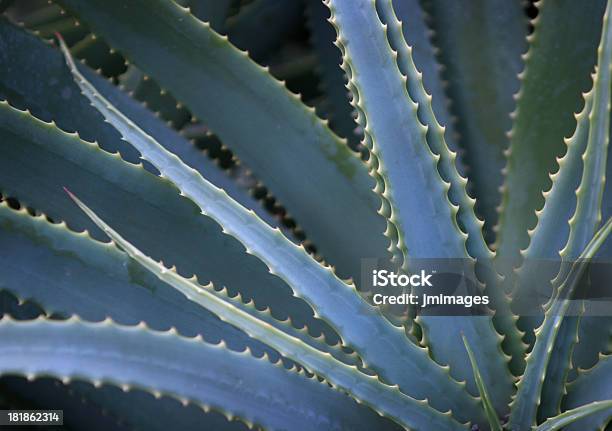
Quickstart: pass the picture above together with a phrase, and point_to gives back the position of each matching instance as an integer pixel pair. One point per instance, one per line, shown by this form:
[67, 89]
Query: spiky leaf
[528, 397]
[209, 375]
[557, 67]
[480, 45]
[279, 138]
[309, 280]
[386, 400]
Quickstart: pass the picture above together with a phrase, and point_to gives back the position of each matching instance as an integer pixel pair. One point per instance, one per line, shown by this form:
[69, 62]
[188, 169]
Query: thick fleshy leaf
[269, 129]
[447, 166]
[594, 384]
[54, 159]
[529, 389]
[144, 411]
[418, 36]
[407, 167]
[386, 355]
[480, 45]
[210, 375]
[336, 104]
[594, 338]
[581, 174]
[569, 417]
[37, 80]
[558, 369]
[367, 389]
[482, 389]
[67, 273]
[557, 68]
[402, 162]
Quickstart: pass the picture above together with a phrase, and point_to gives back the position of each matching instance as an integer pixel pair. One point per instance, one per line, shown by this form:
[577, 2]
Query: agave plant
[455, 141]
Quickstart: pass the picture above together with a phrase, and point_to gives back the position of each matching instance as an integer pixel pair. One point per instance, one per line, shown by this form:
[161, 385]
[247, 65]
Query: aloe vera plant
[240, 214]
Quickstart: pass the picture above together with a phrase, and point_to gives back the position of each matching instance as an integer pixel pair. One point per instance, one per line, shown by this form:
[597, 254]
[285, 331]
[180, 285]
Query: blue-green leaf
[386, 400]
[382, 346]
[254, 389]
[418, 36]
[480, 43]
[562, 421]
[408, 167]
[38, 81]
[268, 128]
[594, 337]
[557, 68]
[482, 389]
[177, 235]
[68, 273]
[336, 103]
[594, 384]
[403, 163]
[529, 389]
[581, 174]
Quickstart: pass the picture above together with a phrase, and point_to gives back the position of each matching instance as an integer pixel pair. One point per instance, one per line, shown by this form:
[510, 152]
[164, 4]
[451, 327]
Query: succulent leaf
[567, 418]
[196, 244]
[581, 173]
[174, 122]
[386, 354]
[480, 45]
[436, 138]
[211, 69]
[442, 332]
[333, 79]
[52, 95]
[417, 35]
[594, 338]
[528, 397]
[446, 166]
[555, 60]
[482, 389]
[549, 237]
[142, 410]
[255, 17]
[387, 400]
[594, 384]
[404, 164]
[91, 275]
[557, 371]
[589, 195]
[141, 358]
[78, 275]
